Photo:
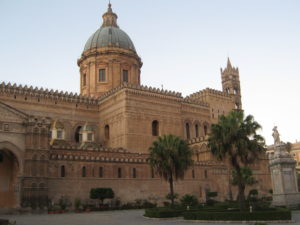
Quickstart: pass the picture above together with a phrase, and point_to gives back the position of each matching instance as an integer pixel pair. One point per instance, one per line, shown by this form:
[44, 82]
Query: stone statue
[276, 136]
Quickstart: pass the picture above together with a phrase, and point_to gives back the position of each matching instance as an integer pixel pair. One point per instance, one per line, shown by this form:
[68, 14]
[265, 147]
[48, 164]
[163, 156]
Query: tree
[101, 193]
[236, 139]
[170, 157]
[246, 178]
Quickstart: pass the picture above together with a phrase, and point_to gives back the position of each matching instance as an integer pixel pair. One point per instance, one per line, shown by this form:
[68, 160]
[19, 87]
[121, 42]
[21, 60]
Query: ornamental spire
[228, 63]
[109, 18]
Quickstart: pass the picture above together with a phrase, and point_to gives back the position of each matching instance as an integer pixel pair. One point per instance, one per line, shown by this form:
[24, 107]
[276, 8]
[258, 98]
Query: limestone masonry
[56, 144]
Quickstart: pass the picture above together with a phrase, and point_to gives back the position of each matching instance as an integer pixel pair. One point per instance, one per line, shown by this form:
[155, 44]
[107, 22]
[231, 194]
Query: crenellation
[47, 94]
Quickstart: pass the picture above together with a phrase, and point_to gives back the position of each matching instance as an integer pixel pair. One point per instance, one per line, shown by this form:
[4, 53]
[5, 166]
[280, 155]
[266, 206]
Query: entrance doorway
[9, 169]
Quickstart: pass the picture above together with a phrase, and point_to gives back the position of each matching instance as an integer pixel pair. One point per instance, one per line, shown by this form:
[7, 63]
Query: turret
[231, 83]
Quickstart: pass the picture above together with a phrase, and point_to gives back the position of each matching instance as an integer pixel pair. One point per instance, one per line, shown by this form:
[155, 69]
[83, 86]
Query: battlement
[45, 93]
[208, 91]
[153, 91]
[142, 88]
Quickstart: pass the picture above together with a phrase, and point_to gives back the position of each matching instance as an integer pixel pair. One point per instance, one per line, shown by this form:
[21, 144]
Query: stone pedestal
[284, 178]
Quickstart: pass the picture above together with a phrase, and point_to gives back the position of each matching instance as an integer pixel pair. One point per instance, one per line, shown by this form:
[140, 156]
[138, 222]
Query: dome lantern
[110, 18]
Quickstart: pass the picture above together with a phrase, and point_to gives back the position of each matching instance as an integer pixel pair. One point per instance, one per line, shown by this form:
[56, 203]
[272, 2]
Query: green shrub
[189, 200]
[146, 204]
[212, 194]
[280, 214]
[226, 205]
[170, 196]
[253, 192]
[101, 193]
[210, 202]
[162, 212]
[64, 202]
[77, 203]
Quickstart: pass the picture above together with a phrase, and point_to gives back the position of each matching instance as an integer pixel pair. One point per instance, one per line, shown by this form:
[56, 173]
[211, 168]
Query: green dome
[110, 36]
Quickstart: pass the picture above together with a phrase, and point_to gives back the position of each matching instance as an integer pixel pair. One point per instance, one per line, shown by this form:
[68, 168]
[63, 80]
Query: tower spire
[109, 7]
[228, 63]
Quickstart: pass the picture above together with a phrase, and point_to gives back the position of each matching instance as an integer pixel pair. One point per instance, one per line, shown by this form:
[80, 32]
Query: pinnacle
[228, 63]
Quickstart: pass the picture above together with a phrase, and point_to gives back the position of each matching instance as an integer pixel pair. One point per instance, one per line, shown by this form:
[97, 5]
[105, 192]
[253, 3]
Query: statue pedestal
[284, 178]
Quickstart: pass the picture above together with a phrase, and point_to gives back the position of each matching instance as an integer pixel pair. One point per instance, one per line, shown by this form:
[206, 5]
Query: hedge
[3, 222]
[162, 212]
[282, 214]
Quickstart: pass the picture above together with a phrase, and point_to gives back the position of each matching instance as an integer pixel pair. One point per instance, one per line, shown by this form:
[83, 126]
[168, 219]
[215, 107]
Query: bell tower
[231, 83]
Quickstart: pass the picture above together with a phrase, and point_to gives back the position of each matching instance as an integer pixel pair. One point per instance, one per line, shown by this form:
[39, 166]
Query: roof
[109, 37]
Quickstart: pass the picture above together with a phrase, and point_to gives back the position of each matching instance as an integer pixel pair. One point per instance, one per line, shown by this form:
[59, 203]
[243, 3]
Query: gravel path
[123, 217]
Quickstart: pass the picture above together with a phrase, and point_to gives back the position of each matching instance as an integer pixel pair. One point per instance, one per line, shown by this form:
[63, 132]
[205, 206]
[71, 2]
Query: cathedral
[55, 144]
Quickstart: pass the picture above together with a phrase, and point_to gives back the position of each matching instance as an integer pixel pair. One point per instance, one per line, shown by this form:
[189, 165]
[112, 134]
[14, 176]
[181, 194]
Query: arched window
[155, 128]
[134, 172]
[125, 75]
[235, 91]
[205, 130]
[193, 174]
[100, 171]
[197, 130]
[83, 171]
[119, 172]
[77, 134]
[228, 90]
[106, 131]
[187, 128]
[102, 75]
[62, 171]
[205, 174]
[237, 106]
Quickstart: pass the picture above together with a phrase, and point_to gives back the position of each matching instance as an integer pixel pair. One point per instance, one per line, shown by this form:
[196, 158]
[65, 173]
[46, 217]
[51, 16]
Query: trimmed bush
[189, 200]
[162, 212]
[101, 193]
[279, 214]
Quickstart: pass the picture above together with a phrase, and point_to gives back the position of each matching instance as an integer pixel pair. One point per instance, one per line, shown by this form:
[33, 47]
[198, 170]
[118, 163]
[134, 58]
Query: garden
[258, 209]
[101, 199]
[233, 138]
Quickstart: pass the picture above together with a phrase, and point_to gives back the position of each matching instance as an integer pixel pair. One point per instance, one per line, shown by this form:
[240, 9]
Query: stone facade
[56, 144]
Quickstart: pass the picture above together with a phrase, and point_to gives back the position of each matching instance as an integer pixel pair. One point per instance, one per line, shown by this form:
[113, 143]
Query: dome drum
[109, 58]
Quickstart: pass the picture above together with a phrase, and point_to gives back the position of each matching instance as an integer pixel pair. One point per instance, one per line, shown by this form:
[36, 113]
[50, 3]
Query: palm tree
[236, 139]
[170, 157]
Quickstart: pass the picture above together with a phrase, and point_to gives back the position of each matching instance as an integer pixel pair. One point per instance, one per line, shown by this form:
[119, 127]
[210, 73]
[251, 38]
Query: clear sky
[182, 44]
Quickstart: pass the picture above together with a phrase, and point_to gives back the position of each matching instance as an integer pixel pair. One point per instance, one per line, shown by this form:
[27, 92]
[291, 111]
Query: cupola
[109, 58]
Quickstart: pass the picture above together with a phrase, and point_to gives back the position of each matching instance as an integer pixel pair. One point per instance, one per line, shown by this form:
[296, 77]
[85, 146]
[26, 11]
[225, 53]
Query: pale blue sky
[182, 44]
